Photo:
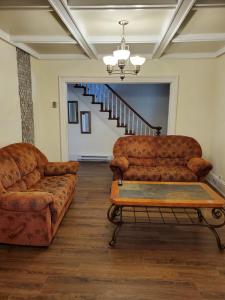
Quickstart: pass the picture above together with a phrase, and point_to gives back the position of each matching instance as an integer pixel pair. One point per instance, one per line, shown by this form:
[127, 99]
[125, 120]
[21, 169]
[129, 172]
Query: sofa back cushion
[32, 178]
[177, 147]
[21, 166]
[9, 171]
[23, 157]
[157, 150]
[135, 146]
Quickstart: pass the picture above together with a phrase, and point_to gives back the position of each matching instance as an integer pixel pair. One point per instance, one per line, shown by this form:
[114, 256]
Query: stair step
[113, 118]
[96, 102]
[105, 110]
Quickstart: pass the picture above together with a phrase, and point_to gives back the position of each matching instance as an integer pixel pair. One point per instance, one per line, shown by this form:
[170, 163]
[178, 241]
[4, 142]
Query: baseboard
[216, 182]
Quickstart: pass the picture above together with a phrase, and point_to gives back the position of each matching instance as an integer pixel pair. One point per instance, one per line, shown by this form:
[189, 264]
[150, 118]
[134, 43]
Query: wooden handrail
[157, 128]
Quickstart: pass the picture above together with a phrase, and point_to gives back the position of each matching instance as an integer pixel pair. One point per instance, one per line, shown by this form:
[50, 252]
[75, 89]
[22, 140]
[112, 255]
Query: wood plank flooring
[148, 262]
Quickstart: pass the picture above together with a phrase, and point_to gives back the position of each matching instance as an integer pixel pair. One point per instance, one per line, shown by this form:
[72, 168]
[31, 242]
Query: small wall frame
[73, 112]
[85, 122]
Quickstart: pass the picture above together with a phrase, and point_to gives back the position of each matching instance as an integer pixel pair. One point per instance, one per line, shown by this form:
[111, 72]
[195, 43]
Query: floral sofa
[159, 158]
[34, 195]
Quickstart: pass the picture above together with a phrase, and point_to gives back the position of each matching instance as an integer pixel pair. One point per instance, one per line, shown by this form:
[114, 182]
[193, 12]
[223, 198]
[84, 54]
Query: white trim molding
[203, 37]
[43, 39]
[63, 81]
[217, 182]
[180, 13]
[63, 11]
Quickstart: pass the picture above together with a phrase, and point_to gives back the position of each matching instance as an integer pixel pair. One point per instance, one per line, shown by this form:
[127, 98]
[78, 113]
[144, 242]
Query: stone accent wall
[25, 93]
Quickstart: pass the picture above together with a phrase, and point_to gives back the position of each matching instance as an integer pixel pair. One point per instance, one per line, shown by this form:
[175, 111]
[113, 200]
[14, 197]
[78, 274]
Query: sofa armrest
[25, 201]
[199, 166]
[120, 162]
[61, 168]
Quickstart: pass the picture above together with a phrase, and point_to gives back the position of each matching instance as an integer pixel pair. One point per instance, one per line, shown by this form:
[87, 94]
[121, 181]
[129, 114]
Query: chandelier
[116, 63]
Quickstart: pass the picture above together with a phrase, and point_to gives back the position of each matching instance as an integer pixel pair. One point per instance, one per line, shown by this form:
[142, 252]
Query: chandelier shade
[110, 60]
[121, 54]
[116, 63]
[137, 60]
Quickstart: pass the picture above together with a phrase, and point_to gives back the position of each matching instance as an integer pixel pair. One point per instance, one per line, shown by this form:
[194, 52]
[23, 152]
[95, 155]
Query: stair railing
[119, 109]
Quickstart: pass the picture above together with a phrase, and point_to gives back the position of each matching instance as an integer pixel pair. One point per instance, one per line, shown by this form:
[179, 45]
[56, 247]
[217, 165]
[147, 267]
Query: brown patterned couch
[158, 158]
[34, 195]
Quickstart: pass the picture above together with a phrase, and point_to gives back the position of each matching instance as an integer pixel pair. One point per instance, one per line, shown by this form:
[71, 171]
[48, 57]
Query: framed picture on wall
[85, 121]
[73, 112]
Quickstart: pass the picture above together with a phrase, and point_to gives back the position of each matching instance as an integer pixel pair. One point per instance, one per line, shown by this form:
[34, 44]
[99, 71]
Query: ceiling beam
[63, 12]
[127, 7]
[182, 10]
[220, 52]
[131, 4]
[6, 37]
[210, 3]
[202, 37]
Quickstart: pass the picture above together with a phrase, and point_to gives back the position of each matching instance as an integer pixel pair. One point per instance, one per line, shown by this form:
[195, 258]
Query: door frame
[63, 118]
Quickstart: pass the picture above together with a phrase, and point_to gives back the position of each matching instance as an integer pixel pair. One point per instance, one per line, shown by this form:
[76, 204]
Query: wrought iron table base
[116, 216]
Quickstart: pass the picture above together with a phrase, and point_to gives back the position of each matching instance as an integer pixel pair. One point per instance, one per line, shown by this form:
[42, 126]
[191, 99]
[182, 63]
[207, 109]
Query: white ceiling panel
[205, 20]
[135, 49]
[31, 22]
[105, 22]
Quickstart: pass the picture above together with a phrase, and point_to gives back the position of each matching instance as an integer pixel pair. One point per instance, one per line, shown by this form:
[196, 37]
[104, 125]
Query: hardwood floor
[147, 263]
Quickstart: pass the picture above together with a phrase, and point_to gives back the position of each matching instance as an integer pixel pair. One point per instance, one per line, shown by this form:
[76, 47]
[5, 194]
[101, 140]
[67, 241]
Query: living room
[184, 45]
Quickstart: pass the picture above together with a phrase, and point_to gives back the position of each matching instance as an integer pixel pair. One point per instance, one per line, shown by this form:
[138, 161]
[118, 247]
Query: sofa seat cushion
[148, 162]
[160, 173]
[142, 173]
[171, 162]
[176, 173]
[61, 187]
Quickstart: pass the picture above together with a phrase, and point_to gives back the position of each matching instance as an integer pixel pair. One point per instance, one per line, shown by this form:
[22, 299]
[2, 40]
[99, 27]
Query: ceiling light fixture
[120, 58]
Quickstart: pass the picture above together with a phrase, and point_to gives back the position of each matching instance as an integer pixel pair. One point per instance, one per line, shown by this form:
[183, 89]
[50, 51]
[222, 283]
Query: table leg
[113, 212]
[217, 213]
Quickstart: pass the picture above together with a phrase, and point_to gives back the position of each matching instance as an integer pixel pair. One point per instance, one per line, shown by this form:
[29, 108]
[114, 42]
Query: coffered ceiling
[77, 29]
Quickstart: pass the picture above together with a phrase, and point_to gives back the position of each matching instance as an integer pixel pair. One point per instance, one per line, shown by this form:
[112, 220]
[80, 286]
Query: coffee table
[166, 203]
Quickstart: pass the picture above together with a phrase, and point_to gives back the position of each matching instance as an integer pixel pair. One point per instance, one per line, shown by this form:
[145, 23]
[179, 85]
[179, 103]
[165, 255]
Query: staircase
[118, 109]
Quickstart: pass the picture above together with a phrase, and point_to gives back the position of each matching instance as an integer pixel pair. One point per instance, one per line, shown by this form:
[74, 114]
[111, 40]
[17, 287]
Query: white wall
[195, 96]
[10, 118]
[103, 131]
[151, 101]
[218, 125]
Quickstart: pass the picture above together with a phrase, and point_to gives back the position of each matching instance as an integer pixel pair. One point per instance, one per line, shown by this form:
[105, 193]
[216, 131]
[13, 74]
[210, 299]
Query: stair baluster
[118, 109]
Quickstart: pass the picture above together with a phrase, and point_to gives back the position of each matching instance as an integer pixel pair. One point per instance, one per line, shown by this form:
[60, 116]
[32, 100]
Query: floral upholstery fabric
[142, 173]
[121, 162]
[148, 162]
[164, 158]
[32, 178]
[199, 166]
[32, 205]
[24, 159]
[26, 228]
[61, 187]
[19, 186]
[176, 173]
[25, 201]
[9, 171]
[61, 168]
